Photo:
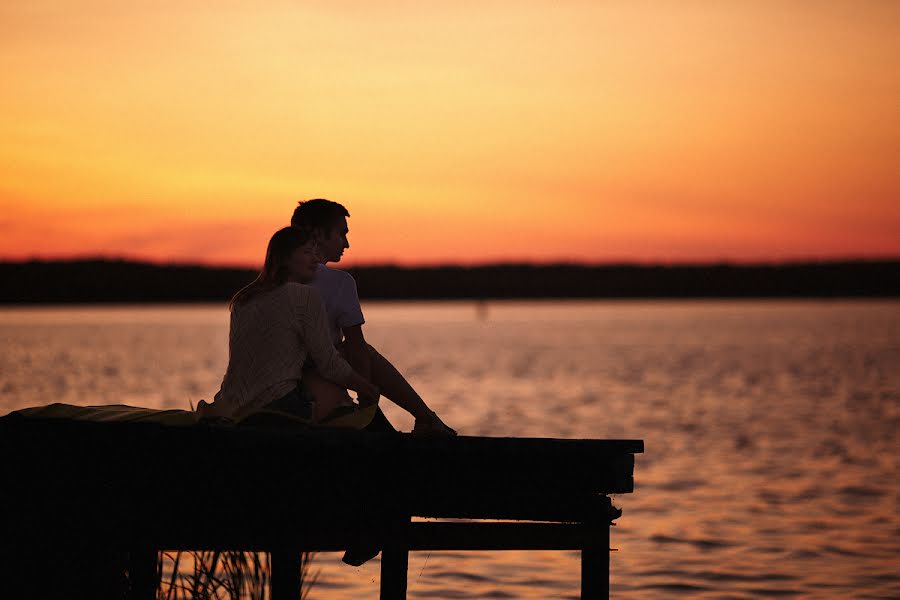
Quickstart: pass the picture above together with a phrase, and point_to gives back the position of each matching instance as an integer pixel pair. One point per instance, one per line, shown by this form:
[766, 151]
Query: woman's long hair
[275, 270]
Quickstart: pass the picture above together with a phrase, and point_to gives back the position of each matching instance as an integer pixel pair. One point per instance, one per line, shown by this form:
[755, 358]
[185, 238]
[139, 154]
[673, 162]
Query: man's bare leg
[395, 388]
[389, 381]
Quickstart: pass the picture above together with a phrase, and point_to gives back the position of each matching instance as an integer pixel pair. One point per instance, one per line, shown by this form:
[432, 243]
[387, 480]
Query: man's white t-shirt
[338, 291]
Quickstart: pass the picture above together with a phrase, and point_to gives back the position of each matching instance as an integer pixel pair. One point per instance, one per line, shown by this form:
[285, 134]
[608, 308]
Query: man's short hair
[318, 214]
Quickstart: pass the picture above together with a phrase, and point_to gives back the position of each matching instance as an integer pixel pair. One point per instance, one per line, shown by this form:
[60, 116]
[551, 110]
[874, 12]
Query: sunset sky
[453, 131]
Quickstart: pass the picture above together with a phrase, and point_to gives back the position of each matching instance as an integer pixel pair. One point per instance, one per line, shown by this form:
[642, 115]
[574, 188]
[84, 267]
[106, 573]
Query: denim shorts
[299, 403]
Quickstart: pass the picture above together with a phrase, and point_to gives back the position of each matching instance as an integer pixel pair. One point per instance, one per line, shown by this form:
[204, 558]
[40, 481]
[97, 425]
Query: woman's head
[290, 256]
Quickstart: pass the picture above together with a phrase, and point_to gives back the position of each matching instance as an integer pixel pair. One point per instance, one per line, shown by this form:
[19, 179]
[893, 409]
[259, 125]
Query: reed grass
[215, 575]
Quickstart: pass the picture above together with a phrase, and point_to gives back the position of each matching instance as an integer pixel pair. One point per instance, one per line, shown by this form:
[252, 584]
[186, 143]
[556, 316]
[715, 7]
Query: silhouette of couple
[296, 342]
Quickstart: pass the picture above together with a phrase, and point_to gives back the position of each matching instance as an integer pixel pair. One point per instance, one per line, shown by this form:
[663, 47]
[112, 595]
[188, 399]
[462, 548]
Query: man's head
[327, 221]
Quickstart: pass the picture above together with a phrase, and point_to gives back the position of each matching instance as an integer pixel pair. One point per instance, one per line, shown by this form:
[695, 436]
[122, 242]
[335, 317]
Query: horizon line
[470, 265]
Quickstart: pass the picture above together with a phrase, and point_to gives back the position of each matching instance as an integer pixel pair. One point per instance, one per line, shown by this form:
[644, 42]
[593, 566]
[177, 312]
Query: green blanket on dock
[119, 413]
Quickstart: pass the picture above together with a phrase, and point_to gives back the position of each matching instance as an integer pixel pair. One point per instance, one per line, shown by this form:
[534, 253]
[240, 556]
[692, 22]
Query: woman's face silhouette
[303, 263]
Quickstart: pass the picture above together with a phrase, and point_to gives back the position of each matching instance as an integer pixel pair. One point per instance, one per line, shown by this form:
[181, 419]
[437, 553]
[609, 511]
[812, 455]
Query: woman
[276, 324]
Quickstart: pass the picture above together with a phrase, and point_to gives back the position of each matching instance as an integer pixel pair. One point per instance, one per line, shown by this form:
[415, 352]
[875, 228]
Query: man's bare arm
[356, 351]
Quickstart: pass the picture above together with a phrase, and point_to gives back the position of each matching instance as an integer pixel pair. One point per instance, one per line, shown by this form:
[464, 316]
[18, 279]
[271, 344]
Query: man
[328, 222]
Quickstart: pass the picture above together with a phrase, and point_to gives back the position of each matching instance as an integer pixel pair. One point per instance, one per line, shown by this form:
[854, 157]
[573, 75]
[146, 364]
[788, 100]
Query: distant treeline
[123, 281]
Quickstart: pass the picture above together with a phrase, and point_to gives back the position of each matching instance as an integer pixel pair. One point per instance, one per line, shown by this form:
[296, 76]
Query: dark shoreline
[120, 281]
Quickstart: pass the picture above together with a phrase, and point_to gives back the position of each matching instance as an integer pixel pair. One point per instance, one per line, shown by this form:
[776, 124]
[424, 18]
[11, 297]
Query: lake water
[771, 464]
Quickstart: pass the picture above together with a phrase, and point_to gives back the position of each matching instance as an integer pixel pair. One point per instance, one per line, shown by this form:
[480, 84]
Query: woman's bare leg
[328, 394]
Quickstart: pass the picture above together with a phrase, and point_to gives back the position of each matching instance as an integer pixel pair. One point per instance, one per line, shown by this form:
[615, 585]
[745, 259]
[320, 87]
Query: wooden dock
[71, 488]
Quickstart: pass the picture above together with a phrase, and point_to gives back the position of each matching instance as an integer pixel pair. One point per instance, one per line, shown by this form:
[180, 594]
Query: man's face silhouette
[332, 243]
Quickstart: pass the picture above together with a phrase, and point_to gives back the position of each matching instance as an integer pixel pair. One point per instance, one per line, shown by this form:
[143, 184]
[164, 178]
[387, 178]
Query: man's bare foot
[432, 425]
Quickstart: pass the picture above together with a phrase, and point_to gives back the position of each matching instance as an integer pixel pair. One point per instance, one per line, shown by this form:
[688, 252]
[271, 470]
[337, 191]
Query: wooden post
[395, 561]
[287, 564]
[143, 573]
[595, 554]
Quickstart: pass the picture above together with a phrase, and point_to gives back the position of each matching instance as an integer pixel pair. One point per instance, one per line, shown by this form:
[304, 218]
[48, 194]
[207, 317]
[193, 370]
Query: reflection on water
[771, 466]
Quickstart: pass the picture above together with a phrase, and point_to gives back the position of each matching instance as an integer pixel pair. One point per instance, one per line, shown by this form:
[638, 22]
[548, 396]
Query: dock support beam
[395, 561]
[143, 571]
[595, 554]
[595, 568]
[287, 564]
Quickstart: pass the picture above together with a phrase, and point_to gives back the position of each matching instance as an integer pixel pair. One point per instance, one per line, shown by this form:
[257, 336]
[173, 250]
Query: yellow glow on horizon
[587, 131]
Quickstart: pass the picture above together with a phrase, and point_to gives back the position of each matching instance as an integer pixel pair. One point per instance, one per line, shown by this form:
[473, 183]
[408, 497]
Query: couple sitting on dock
[296, 343]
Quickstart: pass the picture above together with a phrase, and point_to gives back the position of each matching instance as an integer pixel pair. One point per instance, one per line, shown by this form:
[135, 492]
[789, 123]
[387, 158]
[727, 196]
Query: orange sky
[453, 131]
